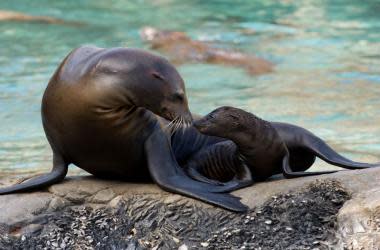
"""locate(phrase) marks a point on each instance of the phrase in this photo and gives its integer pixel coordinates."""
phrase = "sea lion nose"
(199, 123)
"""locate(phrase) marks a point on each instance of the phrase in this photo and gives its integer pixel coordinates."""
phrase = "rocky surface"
(359, 221)
(304, 213)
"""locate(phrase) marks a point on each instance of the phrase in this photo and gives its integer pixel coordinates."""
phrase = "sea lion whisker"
(183, 125)
(168, 126)
(179, 123)
(175, 126)
(182, 122)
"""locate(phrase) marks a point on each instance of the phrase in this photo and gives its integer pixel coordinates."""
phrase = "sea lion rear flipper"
(166, 172)
(302, 138)
(288, 173)
(57, 174)
(326, 153)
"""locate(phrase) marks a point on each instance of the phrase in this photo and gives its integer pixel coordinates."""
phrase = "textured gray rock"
(357, 224)
(15, 209)
(359, 221)
(355, 181)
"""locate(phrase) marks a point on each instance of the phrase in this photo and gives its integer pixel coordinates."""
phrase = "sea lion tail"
(56, 175)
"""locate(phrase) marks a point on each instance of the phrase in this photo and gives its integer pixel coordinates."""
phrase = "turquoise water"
(327, 57)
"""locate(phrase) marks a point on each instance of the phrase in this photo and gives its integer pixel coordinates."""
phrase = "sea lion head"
(142, 79)
(170, 100)
(224, 122)
(160, 88)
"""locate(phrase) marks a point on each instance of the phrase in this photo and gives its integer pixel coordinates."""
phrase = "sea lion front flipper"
(288, 173)
(218, 164)
(166, 172)
(57, 174)
(193, 173)
(231, 185)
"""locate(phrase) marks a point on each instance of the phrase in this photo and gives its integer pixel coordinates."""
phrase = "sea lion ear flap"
(157, 75)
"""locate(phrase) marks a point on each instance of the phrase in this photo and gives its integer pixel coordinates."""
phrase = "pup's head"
(224, 122)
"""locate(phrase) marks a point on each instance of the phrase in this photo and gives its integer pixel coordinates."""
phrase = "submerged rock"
(332, 211)
(6, 15)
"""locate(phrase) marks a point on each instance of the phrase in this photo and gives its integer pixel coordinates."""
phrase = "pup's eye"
(211, 116)
(157, 75)
(234, 117)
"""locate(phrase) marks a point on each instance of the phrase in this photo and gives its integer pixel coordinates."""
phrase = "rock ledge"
(339, 211)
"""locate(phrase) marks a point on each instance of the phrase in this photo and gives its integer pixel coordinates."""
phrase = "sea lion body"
(266, 148)
(100, 124)
(259, 146)
(112, 112)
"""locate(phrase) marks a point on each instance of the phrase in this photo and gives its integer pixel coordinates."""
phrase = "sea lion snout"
(185, 116)
(203, 125)
(188, 118)
(175, 106)
(199, 124)
(177, 110)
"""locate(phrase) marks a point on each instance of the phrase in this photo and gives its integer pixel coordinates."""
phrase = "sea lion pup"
(180, 48)
(258, 145)
(265, 147)
(112, 112)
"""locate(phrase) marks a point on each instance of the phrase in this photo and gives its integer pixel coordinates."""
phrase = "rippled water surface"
(326, 78)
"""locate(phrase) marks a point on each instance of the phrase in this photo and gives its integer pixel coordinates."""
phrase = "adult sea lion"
(108, 111)
(266, 148)
(181, 48)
